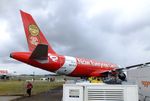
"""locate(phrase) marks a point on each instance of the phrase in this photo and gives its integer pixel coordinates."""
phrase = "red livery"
(41, 55)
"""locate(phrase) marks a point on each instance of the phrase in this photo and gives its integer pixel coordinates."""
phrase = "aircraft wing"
(99, 73)
(134, 66)
(40, 53)
(105, 72)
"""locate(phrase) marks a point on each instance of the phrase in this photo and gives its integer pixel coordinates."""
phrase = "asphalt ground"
(8, 98)
(51, 95)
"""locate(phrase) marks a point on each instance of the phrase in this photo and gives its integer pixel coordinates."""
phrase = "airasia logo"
(3, 72)
(53, 58)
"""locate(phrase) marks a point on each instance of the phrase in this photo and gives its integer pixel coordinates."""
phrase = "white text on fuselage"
(95, 63)
(53, 57)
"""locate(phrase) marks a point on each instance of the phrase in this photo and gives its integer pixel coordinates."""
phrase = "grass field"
(19, 87)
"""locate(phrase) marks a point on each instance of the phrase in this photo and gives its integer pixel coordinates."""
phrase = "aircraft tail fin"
(33, 33)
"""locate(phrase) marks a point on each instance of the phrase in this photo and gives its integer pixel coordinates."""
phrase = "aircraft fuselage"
(67, 65)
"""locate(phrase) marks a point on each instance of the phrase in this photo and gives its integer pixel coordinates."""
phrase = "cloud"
(115, 31)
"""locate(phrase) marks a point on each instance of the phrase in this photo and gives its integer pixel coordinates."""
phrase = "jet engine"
(122, 76)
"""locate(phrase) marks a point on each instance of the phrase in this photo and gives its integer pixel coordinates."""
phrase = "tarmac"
(8, 98)
(51, 95)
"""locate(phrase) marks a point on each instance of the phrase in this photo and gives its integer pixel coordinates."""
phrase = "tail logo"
(34, 40)
(34, 30)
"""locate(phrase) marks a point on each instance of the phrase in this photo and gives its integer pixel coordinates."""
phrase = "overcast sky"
(116, 31)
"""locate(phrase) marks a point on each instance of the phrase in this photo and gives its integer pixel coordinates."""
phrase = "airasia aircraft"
(41, 55)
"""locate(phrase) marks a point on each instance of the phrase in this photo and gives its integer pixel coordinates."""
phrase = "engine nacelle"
(122, 76)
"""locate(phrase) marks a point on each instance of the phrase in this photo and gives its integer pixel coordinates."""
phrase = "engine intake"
(122, 76)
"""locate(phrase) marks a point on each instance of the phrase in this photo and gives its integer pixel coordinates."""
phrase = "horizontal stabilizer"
(40, 53)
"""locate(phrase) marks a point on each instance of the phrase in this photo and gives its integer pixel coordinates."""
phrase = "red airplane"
(41, 55)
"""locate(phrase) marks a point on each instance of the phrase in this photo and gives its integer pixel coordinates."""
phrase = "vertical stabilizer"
(33, 33)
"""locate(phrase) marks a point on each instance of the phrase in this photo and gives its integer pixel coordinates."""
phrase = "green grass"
(19, 87)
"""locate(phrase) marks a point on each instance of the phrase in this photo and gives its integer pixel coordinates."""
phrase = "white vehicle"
(141, 77)
(99, 92)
